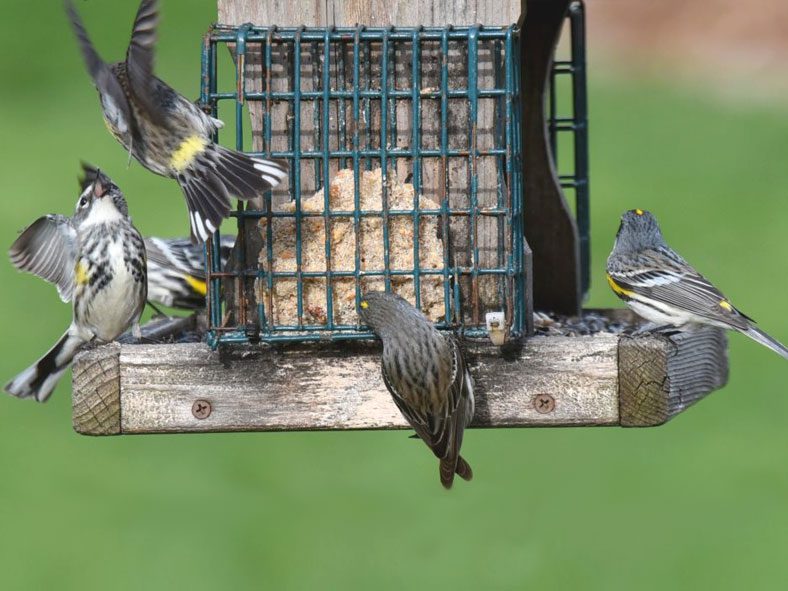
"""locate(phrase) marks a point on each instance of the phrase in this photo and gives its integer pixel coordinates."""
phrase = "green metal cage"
(349, 76)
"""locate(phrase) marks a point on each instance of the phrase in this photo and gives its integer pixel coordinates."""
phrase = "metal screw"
(201, 409)
(544, 403)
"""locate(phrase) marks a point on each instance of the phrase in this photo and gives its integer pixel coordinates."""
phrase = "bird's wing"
(48, 248)
(442, 432)
(112, 96)
(181, 254)
(140, 58)
(665, 277)
(448, 429)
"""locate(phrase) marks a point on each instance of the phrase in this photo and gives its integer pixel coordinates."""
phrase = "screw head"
(544, 403)
(201, 409)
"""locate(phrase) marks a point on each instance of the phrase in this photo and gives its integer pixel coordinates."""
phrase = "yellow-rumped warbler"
(176, 271)
(426, 374)
(664, 289)
(168, 134)
(176, 266)
(97, 260)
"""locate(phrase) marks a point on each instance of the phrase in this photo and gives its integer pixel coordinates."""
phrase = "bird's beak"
(99, 190)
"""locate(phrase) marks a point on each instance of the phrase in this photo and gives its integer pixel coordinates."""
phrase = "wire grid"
(354, 93)
(575, 126)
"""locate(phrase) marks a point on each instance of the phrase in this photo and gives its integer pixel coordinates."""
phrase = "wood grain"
(378, 13)
(96, 386)
(258, 388)
(661, 377)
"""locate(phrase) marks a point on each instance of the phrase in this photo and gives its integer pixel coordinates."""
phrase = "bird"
(425, 373)
(176, 271)
(659, 285)
(167, 133)
(96, 258)
(175, 266)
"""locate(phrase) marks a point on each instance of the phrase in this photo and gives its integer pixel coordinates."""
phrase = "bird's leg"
(654, 328)
(158, 310)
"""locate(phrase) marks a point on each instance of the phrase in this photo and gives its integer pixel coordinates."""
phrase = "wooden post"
(599, 380)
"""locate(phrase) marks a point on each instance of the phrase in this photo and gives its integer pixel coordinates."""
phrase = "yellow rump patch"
(618, 289)
(639, 211)
(197, 285)
(81, 273)
(365, 304)
(725, 304)
(191, 147)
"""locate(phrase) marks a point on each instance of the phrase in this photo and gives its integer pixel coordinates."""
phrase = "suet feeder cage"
(405, 151)
(430, 159)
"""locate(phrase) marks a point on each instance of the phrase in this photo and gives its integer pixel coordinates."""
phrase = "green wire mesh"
(333, 99)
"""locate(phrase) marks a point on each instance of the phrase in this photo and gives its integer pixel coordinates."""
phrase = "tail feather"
(463, 469)
(447, 468)
(215, 175)
(39, 380)
(761, 337)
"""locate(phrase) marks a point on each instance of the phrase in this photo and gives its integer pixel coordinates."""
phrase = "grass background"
(700, 502)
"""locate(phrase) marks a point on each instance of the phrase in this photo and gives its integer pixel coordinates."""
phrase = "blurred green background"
(699, 503)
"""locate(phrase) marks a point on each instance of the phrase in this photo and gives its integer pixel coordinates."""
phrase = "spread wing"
(140, 57)
(663, 277)
(48, 248)
(116, 107)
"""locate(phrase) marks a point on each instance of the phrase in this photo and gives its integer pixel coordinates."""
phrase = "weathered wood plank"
(661, 377)
(95, 404)
(254, 388)
(378, 13)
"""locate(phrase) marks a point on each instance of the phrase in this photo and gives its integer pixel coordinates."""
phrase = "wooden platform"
(600, 380)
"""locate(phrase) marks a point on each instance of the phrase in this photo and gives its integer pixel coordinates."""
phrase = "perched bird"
(176, 267)
(664, 289)
(425, 372)
(97, 260)
(176, 271)
(167, 133)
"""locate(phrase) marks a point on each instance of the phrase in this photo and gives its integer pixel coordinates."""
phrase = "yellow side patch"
(197, 285)
(618, 289)
(365, 304)
(81, 273)
(639, 211)
(725, 304)
(191, 147)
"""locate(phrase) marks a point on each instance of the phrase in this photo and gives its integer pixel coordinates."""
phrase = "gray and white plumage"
(658, 284)
(168, 134)
(425, 373)
(176, 271)
(97, 260)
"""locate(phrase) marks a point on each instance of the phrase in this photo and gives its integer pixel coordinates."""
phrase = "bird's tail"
(217, 173)
(451, 466)
(39, 380)
(758, 335)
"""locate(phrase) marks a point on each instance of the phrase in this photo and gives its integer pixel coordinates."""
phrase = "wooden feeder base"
(599, 380)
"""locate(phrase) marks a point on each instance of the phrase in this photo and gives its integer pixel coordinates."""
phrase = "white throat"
(102, 211)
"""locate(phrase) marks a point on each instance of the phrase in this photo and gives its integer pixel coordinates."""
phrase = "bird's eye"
(83, 201)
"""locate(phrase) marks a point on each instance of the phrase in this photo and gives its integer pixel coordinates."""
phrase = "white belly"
(115, 307)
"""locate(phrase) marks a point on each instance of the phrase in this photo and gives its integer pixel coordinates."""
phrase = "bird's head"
(100, 199)
(388, 314)
(638, 230)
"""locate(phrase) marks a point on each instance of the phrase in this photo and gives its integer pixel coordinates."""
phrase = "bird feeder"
(430, 156)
